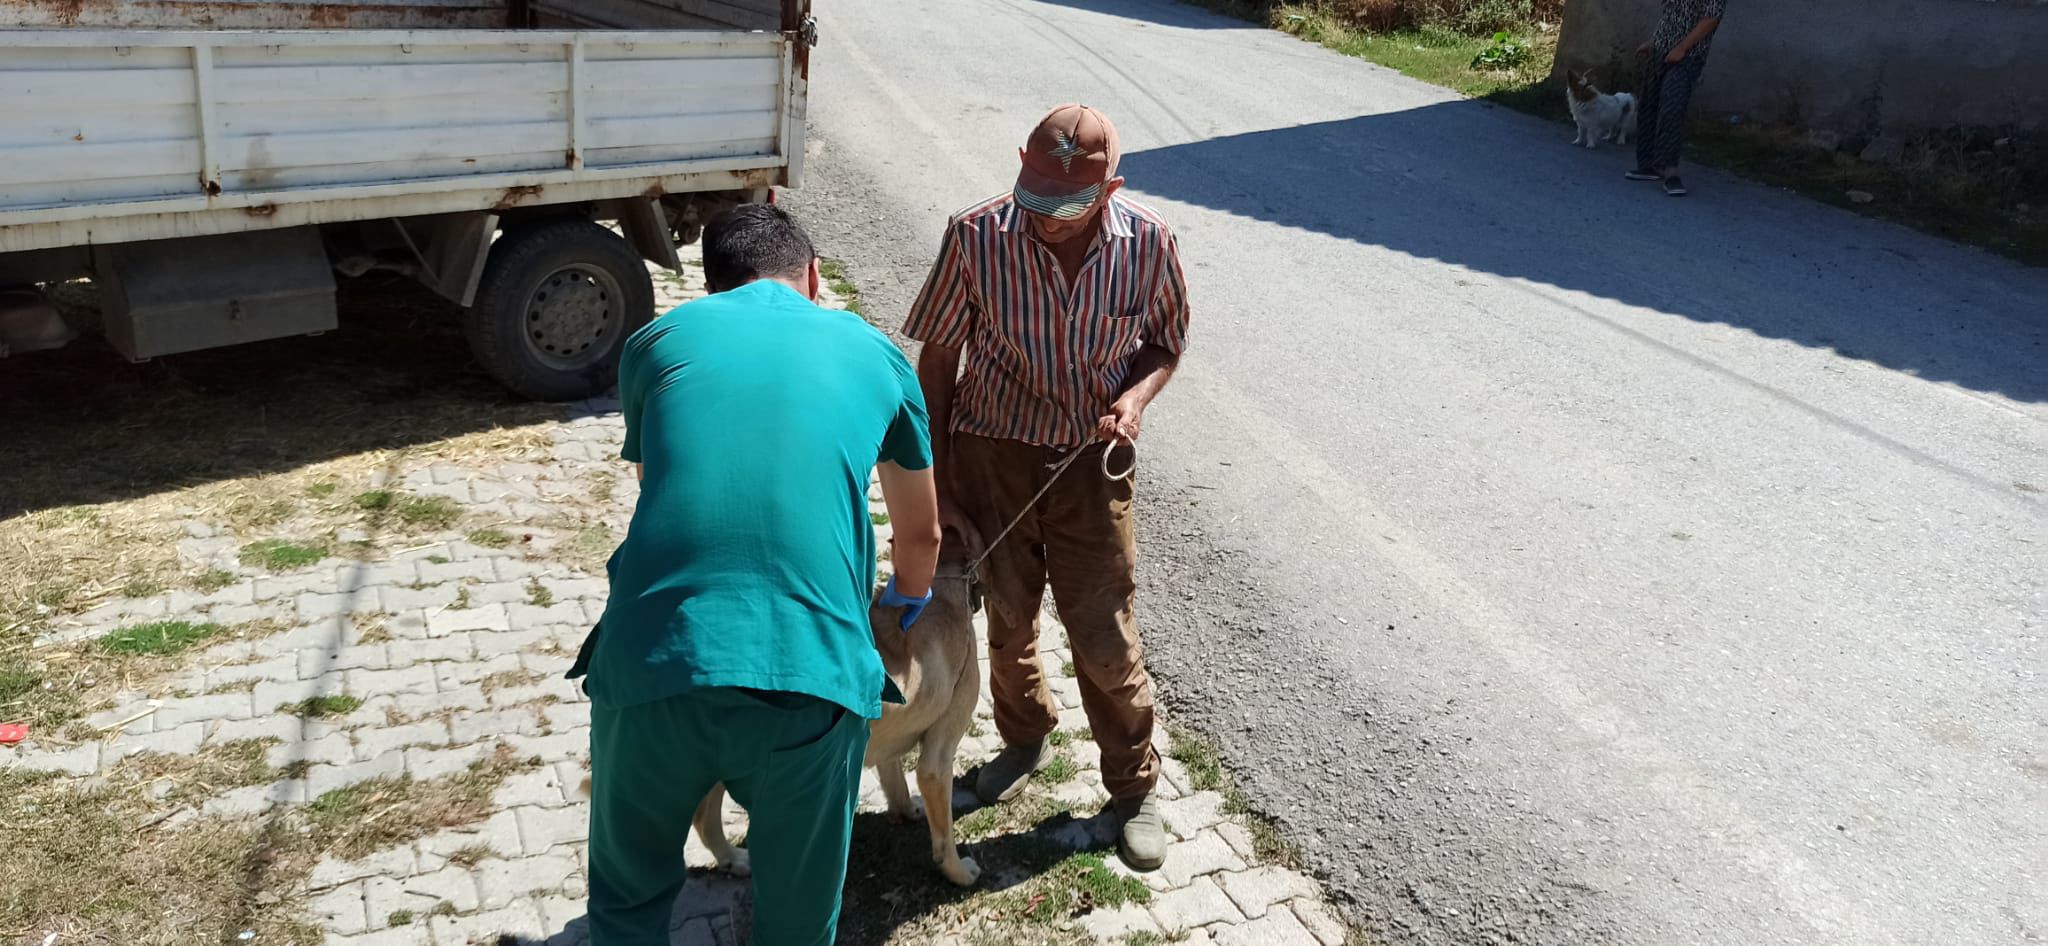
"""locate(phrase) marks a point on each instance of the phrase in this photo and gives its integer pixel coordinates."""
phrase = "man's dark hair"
(754, 241)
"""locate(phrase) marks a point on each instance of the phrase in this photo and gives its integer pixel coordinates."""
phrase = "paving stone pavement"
(452, 651)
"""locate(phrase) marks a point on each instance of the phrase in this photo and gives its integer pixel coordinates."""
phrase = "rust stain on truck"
(514, 196)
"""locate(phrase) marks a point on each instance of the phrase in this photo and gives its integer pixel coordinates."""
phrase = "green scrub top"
(751, 557)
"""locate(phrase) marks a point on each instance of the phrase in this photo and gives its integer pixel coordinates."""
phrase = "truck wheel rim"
(572, 316)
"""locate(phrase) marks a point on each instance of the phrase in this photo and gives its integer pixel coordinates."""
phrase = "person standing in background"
(1685, 31)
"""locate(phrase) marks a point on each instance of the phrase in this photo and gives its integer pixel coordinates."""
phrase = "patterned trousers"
(1660, 119)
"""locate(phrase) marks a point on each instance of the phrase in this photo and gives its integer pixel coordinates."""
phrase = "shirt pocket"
(1114, 334)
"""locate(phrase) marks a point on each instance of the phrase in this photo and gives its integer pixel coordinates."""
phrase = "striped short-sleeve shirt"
(1042, 362)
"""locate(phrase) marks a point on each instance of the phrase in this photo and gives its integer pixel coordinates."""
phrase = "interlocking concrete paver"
(341, 910)
(407, 597)
(314, 661)
(452, 675)
(1194, 814)
(373, 741)
(541, 788)
(1278, 928)
(321, 779)
(1240, 840)
(1115, 924)
(489, 644)
(1200, 903)
(1317, 917)
(184, 740)
(418, 894)
(1262, 888)
(456, 647)
(499, 882)
(283, 728)
(391, 862)
(423, 764)
(1205, 853)
(517, 923)
(541, 829)
(498, 834)
(280, 669)
(471, 727)
(331, 749)
(417, 680)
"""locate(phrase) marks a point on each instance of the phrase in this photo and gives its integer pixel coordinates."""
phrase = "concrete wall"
(1852, 66)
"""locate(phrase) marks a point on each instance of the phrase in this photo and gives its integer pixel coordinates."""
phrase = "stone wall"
(1854, 67)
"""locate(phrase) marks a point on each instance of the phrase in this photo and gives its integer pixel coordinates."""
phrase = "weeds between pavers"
(490, 538)
(97, 861)
(1203, 762)
(323, 707)
(51, 688)
(281, 555)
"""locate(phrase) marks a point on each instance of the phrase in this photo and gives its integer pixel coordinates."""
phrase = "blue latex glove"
(913, 608)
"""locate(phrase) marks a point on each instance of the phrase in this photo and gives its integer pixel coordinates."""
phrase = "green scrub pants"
(793, 761)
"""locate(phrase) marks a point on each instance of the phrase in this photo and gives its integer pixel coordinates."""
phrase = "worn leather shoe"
(1141, 842)
(1007, 774)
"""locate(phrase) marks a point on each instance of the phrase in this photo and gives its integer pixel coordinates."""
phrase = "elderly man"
(1066, 305)
(736, 647)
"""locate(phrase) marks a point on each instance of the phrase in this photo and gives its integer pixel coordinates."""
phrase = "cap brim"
(1055, 198)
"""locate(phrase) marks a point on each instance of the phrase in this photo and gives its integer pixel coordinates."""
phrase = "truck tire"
(554, 307)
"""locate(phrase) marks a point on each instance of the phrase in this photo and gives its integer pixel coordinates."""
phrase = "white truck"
(213, 165)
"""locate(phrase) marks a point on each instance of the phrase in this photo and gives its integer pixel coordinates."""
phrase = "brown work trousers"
(1078, 539)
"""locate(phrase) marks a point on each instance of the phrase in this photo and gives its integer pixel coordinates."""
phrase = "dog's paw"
(911, 814)
(739, 865)
(962, 873)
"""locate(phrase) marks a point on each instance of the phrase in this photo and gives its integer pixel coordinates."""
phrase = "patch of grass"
(255, 512)
(378, 631)
(358, 820)
(1445, 57)
(472, 854)
(1078, 884)
(1019, 814)
(490, 538)
(238, 686)
(604, 485)
(590, 547)
(1199, 756)
(429, 512)
(141, 587)
(280, 555)
(443, 908)
(834, 274)
(322, 490)
(461, 602)
(398, 918)
(507, 679)
(1060, 770)
(78, 857)
(212, 580)
(376, 500)
(158, 638)
(1067, 668)
(538, 594)
(216, 769)
(321, 707)
(879, 518)
(438, 559)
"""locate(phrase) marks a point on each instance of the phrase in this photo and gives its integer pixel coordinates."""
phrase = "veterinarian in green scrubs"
(736, 646)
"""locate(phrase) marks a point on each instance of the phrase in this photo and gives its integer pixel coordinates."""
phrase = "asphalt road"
(1556, 561)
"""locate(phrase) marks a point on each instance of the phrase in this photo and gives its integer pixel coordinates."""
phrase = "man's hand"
(1646, 49)
(1125, 419)
(1675, 56)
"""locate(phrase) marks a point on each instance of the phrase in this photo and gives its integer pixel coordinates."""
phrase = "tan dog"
(937, 666)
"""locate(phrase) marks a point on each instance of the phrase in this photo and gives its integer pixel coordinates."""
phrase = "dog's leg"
(896, 790)
(935, 783)
(710, 821)
(1581, 136)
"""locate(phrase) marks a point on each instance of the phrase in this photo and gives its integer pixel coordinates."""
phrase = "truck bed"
(133, 133)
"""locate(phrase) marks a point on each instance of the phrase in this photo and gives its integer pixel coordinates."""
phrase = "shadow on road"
(1471, 185)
